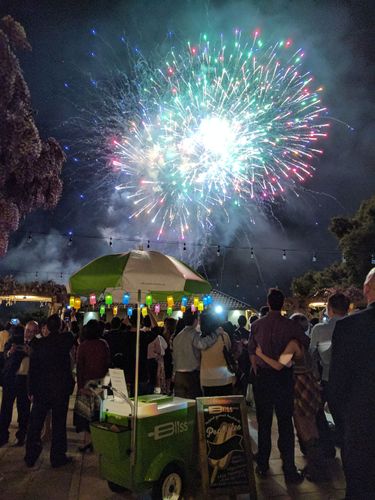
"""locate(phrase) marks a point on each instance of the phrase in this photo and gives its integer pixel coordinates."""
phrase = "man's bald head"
(31, 330)
(369, 286)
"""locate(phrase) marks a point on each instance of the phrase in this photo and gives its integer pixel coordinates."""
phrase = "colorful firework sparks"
(218, 125)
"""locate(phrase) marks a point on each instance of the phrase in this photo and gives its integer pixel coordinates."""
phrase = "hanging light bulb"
(71, 301)
(77, 303)
(284, 254)
(169, 311)
(92, 299)
(129, 312)
(115, 310)
(102, 310)
(170, 301)
(184, 301)
(144, 311)
(126, 298)
(157, 308)
(108, 299)
(148, 300)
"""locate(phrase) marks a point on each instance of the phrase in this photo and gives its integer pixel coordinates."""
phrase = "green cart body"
(165, 440)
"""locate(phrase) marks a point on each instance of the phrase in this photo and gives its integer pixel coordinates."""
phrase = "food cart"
(145, 442)
(166, 436)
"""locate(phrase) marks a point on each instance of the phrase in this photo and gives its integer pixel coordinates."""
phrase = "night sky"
(338, 39)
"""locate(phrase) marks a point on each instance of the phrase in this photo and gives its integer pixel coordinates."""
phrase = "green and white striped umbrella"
(148, 271)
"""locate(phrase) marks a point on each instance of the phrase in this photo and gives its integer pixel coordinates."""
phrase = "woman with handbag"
(215, 376)
(93, 361)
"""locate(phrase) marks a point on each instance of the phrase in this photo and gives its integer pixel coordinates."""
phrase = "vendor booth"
(146, 441)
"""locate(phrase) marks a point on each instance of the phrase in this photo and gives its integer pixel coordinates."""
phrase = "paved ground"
(81, 480)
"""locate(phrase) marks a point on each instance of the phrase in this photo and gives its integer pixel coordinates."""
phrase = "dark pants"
(273, 390)
(358, 459)
(219, 390)
(11, 392)
(326, 436)
(59, 407)
(187, 385)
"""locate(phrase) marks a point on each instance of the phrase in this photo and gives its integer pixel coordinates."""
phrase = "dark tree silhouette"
(356, 237)
(29, 167)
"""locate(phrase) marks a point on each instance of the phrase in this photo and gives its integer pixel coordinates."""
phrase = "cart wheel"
(116, 488)
(170, 484)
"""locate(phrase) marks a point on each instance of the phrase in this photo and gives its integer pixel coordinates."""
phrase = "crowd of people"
(295, 367)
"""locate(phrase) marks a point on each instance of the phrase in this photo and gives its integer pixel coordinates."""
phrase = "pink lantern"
(157, 308)
(92, 299)
(193, 308)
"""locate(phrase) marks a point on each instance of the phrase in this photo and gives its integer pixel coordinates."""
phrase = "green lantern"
(169, 311)
(102, 310)
(148, 300)
(108, 299)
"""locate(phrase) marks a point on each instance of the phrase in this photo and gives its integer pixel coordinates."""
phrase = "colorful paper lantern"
(148, 300)
(71, 300)
(144, 311)
(77, 303)
(169, 311)
(126, 299)
(209, 299)
(108, 299)
(193, 308)
(115, 310)
(205, 301)
(92, 299)
(196, 302)
(184, 301)
(183, 309)
(129, 311)
(170, 301)
(157, 308)
(200, 306)
(102, 310)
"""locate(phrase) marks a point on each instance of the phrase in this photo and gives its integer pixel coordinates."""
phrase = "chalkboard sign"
(225, 449)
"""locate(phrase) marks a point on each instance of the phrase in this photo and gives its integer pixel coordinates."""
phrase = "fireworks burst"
(217, 125)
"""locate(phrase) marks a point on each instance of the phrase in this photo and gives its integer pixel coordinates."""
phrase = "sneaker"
(295, 477)
(64, 461)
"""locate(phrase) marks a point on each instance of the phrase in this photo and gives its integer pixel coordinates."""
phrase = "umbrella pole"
(136, 383)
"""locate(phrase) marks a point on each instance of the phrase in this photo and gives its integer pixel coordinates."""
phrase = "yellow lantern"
(71, 300)
(144, 311)
(200, 306)
(183, 309)
(196, 302)
(115, 309)
(170, 301)
(77, 303)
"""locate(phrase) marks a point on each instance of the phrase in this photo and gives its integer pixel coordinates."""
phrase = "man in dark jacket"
(351, 394)
(50, 384)
(274, 390)
(14, 387)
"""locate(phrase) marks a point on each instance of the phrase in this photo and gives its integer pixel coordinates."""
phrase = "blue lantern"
(130, 312)
(126, 298)
(205, 301)
(184, 301)
(209, 299)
